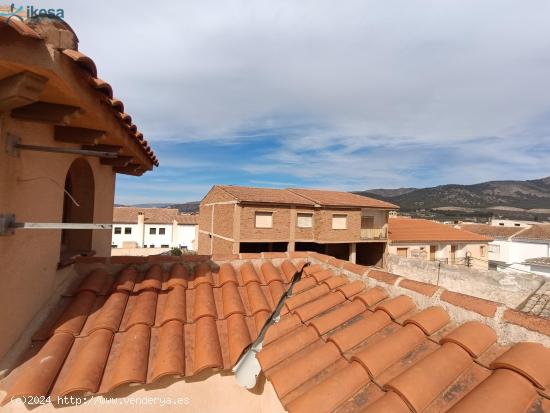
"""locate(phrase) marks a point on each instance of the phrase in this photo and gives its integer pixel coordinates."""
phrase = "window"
(482, 250)
(494, 249)
(402, 252)
(264, 219)
(152, 231)
(114, 246)
(162, 231)
(304, 220)
(152, 246)
(339, 221)
(501, 224)
(164, 246)
(516, 225)
(118, 230)
(128, 230)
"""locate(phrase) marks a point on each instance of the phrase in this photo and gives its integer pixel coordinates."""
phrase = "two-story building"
(237, 219)
(151, 229)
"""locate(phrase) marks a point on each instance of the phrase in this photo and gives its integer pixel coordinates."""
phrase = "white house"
(153, 228)
(518, 248)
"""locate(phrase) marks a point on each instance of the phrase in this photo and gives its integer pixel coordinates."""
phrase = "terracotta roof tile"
(332, 350)
(140, 325)
(472, 336)
(309, 197)
(416, 230)
(534, 232)
(336, 198)
(129, 215)
(421, 362)
(492, 231)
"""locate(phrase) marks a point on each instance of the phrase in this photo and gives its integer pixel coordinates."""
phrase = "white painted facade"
(511, 254)
(151, 235)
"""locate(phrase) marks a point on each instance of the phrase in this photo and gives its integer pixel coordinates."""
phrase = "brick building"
(237, 219)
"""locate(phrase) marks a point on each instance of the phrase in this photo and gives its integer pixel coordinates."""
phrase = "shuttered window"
(264, 219)
(339, 221)
(304, 220)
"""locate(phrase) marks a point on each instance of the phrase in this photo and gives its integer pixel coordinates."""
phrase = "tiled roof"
(129, 215)
(189, 219)
(418, 230)
(103, 88)
(492, 231)
(336, 198)
(304, 197)
(348, 348)
(534, 232)
(539, 260)
(139, 326)
(350, 338)
(265, 195)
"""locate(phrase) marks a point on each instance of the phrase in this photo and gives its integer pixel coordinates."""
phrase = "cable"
(55, 182)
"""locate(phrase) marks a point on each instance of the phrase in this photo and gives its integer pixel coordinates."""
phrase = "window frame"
(153, 231)
(345, 216)
(127, 230)
(265, 213)
(119, 229)
(309, 214)
(162, 231)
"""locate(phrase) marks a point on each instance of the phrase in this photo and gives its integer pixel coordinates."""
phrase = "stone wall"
(512, 289)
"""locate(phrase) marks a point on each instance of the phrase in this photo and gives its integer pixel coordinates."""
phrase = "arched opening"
(78, 206)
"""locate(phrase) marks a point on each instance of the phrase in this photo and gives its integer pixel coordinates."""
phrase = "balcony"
(374, 233)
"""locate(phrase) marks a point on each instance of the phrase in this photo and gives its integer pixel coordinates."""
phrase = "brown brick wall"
(205, 215)
(221, 246)
(204, 244)
(223, 219)
(216, 195)
(281, 224)
(323, 226)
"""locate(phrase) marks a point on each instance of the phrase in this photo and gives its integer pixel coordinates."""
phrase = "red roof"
(345, 345)
(422, 230)
(310, 197)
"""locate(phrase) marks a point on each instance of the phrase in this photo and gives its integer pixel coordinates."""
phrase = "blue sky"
(322, 93)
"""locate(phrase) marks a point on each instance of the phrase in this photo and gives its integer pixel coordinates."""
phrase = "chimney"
(140, 229)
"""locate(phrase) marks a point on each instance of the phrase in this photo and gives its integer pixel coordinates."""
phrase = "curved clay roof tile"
(84, 61)
(20, 27)
(103, 86)
(117, 104)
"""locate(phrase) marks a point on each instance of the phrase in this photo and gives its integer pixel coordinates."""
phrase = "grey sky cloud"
(372, 76)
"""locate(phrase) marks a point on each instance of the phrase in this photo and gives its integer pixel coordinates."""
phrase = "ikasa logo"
(28, 12)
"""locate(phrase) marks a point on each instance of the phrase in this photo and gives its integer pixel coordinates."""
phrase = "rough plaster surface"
(510, 289)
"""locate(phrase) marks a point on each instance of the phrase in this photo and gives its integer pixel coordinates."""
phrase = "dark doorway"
(78, 206)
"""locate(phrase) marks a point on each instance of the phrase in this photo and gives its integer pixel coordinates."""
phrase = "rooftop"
(129, 215)
(310, 197)
(530, 232)
(37, 32)
(420, 230)
(349, 338)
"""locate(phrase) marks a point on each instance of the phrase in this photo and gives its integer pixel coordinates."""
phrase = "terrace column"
(352, 252)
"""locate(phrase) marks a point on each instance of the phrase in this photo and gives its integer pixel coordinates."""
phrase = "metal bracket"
(8, 225)
(14, 147)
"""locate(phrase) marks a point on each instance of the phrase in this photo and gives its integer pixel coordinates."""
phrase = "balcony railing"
(374, 233)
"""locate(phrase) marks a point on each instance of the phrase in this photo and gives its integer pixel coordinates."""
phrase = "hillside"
(498, 195)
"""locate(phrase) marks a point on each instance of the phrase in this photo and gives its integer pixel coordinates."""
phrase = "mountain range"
(516, 198)
(505, 195)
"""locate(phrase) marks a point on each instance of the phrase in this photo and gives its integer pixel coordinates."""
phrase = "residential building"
(237, 219)
(433, 241)
(151, 229)
(497, 222)
(516, 248)
(63, 139)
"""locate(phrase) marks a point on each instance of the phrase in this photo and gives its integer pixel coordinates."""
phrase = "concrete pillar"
(352, 252)
(140, 229)
(174, 239)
